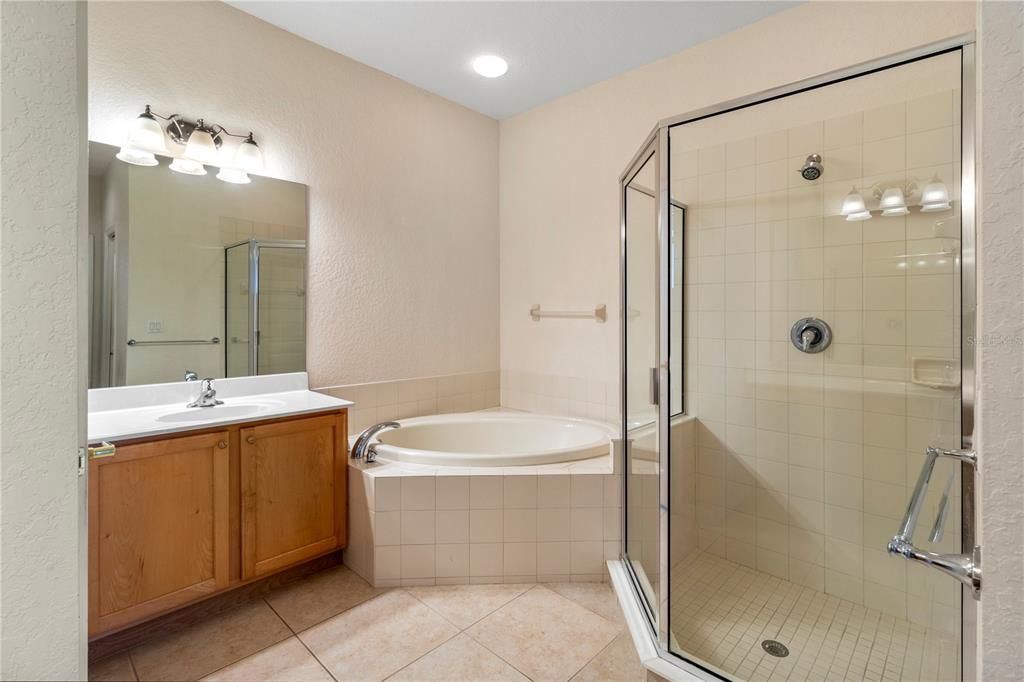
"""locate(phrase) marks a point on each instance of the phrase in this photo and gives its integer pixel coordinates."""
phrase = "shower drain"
(777, 649)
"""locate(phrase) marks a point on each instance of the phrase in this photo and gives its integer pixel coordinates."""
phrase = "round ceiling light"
(490, 66)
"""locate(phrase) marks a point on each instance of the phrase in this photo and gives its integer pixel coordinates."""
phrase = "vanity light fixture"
(201, 141)
(854, 208)
(893, 203)
(935, 197)
(145, 139)
(490, 66)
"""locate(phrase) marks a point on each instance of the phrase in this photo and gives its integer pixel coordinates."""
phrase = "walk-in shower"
(787, 361)
(264, 307)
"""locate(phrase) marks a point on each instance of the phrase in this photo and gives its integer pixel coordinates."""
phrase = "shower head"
(812, 168)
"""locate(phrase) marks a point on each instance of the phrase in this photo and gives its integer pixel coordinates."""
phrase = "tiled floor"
(722, 611)
(334, 626)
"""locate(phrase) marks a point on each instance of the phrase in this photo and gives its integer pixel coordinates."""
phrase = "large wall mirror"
(189, 273)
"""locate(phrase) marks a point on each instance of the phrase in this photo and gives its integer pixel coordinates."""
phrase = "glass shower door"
(640, 362)
(281, 334)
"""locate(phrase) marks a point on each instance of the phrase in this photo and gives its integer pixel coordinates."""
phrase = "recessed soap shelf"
(935, 372)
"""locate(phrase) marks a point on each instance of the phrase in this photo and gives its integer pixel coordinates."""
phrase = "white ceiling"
(553, 48)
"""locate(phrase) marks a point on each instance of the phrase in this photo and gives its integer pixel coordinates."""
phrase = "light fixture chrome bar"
(176, 342)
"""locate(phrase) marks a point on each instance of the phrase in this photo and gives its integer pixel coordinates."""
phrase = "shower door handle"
(654, 386)
(964, 567)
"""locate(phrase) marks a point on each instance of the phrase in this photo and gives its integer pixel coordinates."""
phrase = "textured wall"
(560, 162)
(1001, 339)
(403, 260)
(43, 360)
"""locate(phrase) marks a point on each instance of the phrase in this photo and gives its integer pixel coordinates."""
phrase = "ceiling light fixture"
(490, 66)
(201, 144)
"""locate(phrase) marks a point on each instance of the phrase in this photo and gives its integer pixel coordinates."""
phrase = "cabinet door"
(158, 527)
(293, 492)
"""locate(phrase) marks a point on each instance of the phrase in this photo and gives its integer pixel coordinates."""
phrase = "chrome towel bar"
(964, 567)
(599, 313)
(179, 342)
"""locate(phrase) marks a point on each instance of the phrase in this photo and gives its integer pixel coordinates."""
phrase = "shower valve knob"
(811, 335)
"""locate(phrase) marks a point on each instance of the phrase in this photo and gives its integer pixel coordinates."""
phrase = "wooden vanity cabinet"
(291, 473)
(174, 519)
(158, 527)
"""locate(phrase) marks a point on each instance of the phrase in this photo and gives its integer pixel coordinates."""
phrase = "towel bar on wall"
(179, 342)
(599, 313)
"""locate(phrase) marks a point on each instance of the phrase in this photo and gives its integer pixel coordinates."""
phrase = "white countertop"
(123, 413)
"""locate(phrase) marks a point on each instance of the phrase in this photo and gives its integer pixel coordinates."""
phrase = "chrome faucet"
(207, 395)
(362, 449)
(191, 376)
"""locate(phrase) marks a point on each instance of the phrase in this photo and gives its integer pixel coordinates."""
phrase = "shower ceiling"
(552, 48)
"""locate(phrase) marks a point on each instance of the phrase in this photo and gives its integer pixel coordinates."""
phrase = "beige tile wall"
(805, 462)
(560, 395)
(385, 400)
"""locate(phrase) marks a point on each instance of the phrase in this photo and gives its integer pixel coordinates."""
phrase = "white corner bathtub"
(499, 439)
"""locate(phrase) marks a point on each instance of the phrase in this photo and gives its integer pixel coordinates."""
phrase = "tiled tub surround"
(420, 525)
(805, 462)
(387, 400)
(590, 398)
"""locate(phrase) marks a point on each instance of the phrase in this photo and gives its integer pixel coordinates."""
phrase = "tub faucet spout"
(362, 449)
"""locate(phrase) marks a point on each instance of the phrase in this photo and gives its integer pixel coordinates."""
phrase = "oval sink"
(200, 414)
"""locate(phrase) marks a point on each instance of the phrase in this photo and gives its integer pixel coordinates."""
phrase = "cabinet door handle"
(222, 445)
(251, 440)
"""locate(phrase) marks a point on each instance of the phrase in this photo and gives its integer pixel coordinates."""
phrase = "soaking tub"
(484, 439)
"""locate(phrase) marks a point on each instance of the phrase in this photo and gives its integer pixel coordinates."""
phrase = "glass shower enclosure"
(797, 290)
(265, 312)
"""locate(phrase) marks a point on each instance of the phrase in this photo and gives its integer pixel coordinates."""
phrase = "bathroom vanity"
(189, 502)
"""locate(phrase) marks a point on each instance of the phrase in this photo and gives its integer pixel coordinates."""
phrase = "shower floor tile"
(722, 611)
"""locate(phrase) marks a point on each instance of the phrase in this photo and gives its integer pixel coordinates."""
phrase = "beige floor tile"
(617, 661)
(210, 645)
(597, 597)
(320, 596)
(460, 658)
(464, 605)
(544, 635)
(287, 660)
(378, 637)
(114, 669)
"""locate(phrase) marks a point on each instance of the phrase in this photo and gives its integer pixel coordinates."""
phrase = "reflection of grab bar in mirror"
(599, 313)
(178, 342)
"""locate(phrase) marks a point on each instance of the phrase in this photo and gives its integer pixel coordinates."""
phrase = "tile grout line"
(131, 664)
(495, 653)
(299, 639)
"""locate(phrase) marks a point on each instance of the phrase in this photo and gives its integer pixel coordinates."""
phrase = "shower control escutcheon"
(811, 335)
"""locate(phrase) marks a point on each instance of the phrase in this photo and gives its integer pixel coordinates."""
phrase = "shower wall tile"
(804, 463)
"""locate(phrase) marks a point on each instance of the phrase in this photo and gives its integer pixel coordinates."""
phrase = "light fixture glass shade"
(136, 157)
(234, 176)
(935, 197)
(248, 156)
(893, 203)
(859, 216)
(187, 166)
(147, 134)
(853, 203)
(201, 147)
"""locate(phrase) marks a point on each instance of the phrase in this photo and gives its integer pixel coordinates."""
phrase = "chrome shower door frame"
(657, 142)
